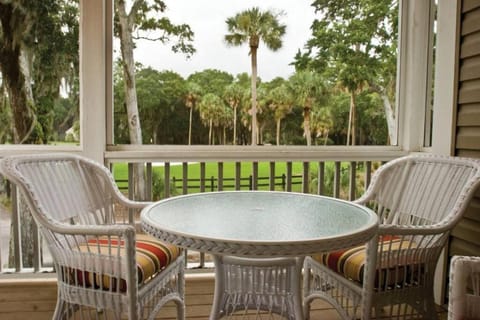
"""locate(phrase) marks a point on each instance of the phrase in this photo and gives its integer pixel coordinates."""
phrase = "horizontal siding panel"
(467, 230)
(470, 45)
(473, 211)
(469, 5)
(469, 91)
(465, 239)
(23, 315)
(469, 115)
(468, 153)
(468, 138)
(470, 22)
(470, 68)
(463, 248)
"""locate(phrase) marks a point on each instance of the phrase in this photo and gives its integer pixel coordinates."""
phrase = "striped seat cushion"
(351, 262)
(152, 256)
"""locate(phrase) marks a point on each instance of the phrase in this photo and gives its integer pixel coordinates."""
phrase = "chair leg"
(306, 309)
(180, 310)
(58, 314)
(431, 312)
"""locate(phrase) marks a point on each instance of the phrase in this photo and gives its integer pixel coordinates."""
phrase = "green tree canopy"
(212, 111)
(233, 95)
(354, 44)
(211, 81)
(281, 102)
(307, 88)
(38, 50)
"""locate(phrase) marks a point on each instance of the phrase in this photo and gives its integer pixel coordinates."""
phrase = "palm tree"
(281, 102)
(252, 26)
(322, 123)
(194, 92)
(233, 95)
(306, 86)
(211, 109)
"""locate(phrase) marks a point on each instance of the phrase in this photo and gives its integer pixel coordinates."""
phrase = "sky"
(207, 20)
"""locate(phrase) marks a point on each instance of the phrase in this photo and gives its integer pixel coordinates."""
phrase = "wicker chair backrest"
(422, 190)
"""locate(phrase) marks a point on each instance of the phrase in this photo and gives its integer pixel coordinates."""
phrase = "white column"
(92, 79)
(444, 106)
(413, 72)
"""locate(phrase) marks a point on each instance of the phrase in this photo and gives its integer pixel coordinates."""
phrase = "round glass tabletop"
(256, 218)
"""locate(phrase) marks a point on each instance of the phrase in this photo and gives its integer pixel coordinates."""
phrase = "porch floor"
(35, 299)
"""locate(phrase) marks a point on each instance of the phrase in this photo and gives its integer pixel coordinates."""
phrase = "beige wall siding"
(465, 238)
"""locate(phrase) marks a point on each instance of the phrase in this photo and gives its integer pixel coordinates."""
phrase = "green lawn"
(211, 170)
(211, 174)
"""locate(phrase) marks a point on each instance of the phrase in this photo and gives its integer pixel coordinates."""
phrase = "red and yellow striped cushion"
(152, 256)
(351, 262)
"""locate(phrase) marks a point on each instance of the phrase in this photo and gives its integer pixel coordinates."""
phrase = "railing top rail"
(148, 153)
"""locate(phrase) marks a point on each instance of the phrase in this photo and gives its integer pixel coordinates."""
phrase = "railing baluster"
(131, 190)
(37, 250)
(352, 180)
(184, 177)
(166, 173)
(130, 181)
(306, 177)
(220, 177)
(238, 175)
(272, 176)
(289, 176)
(17, 244)
(336, 179)
(202, 176)
(321, 178)
(254, 175)
(148, 187)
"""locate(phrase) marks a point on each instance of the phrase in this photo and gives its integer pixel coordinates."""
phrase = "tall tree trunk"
(389, 113)
(190, 127)
(210, 133)
(10, 66)
(135, 130)
(390, 117)
(235, 124)
(354, 117)
(260, 134)
(253, 52)
(278, 131)
(306, 121)
(351, 120)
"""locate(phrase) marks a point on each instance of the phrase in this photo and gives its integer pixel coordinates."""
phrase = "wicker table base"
(269, 285)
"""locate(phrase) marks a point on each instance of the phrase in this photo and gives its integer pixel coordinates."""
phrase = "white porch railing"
(334, 171)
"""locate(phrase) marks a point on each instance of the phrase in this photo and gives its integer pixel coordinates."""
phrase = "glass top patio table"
(263, 234)
(259, 223)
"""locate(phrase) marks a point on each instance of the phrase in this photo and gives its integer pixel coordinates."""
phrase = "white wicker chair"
(418, 199)
(464, 293)
(104, 267)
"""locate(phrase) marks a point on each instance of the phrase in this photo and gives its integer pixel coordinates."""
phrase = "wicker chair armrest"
(132, 204)
(385, 229)
(94, 230)
(364, 199)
